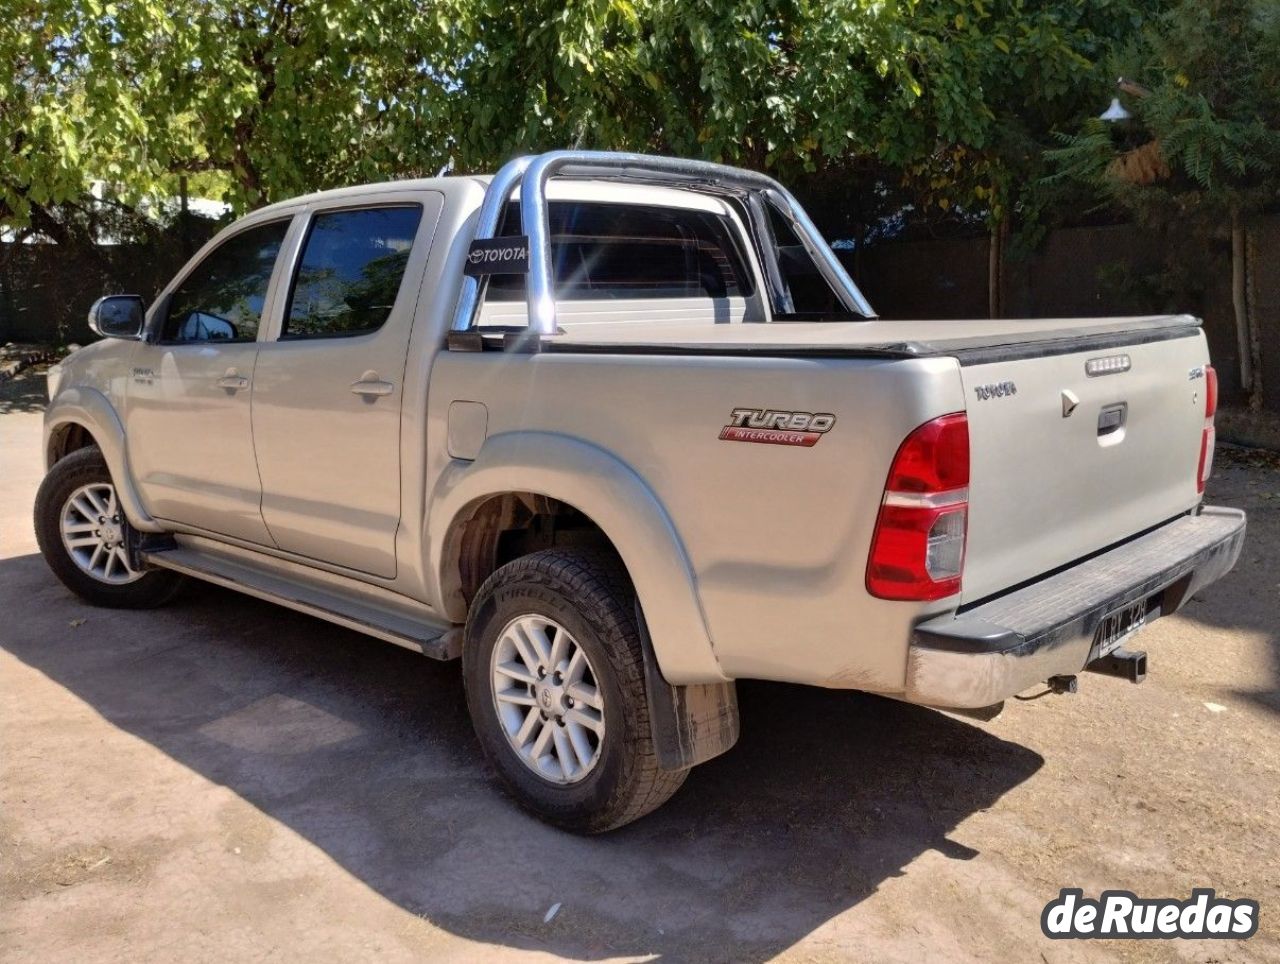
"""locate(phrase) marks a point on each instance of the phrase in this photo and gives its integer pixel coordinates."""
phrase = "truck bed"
(1047, 488)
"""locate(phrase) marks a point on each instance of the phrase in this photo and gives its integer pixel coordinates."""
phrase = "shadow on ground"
(1246, 600)
(366, 751)
(25, 392)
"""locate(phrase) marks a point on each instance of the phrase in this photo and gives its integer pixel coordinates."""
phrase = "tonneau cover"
(976, 340)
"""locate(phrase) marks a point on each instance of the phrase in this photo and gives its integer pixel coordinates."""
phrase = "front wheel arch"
(81, 411)
(67, 438)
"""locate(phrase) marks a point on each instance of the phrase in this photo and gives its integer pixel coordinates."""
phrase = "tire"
(117, 585)
(612, 775)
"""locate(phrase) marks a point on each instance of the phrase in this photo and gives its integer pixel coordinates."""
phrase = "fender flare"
(90, 409)
(607, 490)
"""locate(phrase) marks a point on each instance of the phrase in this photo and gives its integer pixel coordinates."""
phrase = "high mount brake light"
(917, 550)
(1208, 435)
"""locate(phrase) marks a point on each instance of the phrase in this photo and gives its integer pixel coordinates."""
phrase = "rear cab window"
(619, 261)
(350, 271)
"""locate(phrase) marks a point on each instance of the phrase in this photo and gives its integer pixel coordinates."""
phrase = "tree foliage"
(252, 101)
(1205, 138)
(952, 99)
(945, 105)
(1200, 155)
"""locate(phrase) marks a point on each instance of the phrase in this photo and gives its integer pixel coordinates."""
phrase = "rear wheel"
(554, 674)
(85, 538)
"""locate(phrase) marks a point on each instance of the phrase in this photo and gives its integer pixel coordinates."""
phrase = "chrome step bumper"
(988, 652)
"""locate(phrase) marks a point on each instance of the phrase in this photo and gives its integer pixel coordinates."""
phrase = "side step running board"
(423, 632)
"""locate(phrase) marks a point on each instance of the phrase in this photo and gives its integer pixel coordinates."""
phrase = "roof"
(565, 188)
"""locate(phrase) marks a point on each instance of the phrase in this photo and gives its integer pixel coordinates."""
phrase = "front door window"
(222, 299)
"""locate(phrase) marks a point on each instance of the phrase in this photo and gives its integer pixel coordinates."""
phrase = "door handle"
(370, 385)
(233, 381)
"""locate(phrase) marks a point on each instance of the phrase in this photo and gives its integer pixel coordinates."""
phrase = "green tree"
(1205, 138)
(874, 112)
(1200, 157)
(257, 101)
(291, 97)
(946, 104)
(956, 97)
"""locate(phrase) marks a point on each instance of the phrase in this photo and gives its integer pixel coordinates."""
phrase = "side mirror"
(118, 316)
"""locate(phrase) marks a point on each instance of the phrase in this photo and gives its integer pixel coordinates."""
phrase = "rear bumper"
(996, 649)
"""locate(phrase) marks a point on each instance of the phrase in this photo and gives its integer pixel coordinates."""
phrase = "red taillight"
(1208, 436)
(934, 458)
(917, 550)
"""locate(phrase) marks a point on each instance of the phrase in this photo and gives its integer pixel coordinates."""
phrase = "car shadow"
(366, 751)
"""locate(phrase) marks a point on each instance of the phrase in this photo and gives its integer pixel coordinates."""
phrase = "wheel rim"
(94, 532)
(548, 699)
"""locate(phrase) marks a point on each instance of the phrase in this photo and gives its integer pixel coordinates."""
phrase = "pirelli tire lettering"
(774, 427)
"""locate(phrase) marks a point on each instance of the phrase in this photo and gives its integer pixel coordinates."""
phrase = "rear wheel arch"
(499, 527)
(502, 527)
(555, 676)
(598, 486)
(687, 723)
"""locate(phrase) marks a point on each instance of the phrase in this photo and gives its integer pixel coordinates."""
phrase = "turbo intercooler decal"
(772, 427)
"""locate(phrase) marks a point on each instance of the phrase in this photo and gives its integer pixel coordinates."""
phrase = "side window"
(350, 272)
(612, 251)
(222, 299)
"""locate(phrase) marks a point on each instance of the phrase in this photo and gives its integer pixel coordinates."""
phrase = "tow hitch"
(1126, 664)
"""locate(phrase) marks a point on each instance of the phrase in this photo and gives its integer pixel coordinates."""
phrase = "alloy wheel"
(95, 533)
(548, 699)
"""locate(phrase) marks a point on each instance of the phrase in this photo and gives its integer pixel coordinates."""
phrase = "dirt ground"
(227, 780)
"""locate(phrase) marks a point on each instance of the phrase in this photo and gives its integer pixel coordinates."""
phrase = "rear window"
(613, 251)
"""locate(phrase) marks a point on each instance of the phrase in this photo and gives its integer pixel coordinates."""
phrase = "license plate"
(1118, 626)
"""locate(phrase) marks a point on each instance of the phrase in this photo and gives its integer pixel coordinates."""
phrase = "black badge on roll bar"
(508, 255)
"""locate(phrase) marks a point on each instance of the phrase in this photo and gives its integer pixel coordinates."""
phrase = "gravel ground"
(225, 780)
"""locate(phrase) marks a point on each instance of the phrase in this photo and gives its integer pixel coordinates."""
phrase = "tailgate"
(1064, 463)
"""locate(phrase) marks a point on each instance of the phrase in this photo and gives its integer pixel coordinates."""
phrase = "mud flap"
(138, 544)
(690, 724)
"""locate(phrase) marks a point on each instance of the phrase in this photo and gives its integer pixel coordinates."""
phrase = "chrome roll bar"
(495, 200)
(533, 173)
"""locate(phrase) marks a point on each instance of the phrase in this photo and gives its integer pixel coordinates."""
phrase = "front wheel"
(554, 674)
(84, 537)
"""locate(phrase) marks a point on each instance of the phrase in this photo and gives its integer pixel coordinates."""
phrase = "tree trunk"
(1246, 343)
(995, 270)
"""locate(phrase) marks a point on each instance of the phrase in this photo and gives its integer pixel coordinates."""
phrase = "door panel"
(189, 432)
(327, 391)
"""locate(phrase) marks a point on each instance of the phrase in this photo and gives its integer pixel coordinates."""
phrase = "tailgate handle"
(1111, 418)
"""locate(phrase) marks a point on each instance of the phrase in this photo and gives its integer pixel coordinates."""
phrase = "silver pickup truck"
(620, 430)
